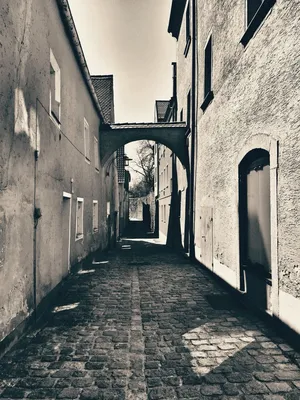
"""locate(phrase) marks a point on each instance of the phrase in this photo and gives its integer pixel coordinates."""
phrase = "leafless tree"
(144, 166)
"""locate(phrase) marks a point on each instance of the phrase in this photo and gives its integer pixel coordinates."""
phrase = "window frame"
(96, 154)
(95, 216)
(208, 73)
(79, 235)
(188, 37)
(87, 146)
(57, 89)
(251, 27)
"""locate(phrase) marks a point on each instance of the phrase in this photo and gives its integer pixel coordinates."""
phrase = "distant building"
(104, 88)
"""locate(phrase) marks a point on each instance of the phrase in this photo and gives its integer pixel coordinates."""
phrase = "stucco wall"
(256, 103)
(31, 29)
(256, 94)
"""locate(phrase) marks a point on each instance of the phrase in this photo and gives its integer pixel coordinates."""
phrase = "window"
(207, 67)
(96, 154)
(187, 29)
(95, 216)
(54, 103)
(165, 213)
(86, 140)
(208, 94)
(256, 11)
(252, 7)
(79, 218)
(161, 214)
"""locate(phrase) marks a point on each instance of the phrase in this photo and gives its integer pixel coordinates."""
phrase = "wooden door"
(255, 228)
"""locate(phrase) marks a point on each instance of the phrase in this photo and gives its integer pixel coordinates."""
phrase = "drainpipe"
(194, 130)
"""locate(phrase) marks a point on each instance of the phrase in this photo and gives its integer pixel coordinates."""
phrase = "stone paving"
(143, 326)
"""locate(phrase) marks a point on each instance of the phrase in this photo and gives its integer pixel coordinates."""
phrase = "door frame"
(271, 145)
(68, 196)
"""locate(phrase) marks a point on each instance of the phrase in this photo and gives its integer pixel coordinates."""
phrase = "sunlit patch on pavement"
(65, 308)
(99, 262)
(209, 347)
(86, 271)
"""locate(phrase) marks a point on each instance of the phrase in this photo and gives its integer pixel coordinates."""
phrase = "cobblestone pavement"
(144, 326)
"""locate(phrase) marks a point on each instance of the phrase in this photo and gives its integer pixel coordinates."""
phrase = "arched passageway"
(172, 135)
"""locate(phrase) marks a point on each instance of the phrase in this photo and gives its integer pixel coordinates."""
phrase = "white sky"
(129, 39)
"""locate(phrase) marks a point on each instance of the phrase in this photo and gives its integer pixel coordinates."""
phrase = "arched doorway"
(255, 227)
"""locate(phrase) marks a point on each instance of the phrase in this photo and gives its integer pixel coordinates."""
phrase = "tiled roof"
(146, 125)
(104, 88)
(161, 107)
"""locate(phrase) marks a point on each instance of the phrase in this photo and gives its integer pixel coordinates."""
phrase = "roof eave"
(72, 34)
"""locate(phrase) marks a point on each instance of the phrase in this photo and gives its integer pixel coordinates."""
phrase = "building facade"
(237, 90)
(57, 201)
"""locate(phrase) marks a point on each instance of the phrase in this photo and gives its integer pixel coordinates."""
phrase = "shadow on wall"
(174, 238)
(255, 277)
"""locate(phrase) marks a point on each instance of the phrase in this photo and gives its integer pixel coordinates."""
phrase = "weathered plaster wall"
(256, 94)
(165, 188)
(17, 142)
(31, 28)
(184, 84)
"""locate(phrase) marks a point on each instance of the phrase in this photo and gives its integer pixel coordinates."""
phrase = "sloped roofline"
(71, 31)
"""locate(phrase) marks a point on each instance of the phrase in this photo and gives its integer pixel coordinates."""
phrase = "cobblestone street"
(144, 323)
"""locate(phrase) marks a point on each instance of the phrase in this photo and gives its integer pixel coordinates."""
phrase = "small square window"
(256, 12)
(96, 154)
(55, 88)
(95, 216)
(208, 93)
(207, 67)
(79, 218)
(86, 140)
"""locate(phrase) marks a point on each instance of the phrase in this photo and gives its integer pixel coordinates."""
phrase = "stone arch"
(171, 135)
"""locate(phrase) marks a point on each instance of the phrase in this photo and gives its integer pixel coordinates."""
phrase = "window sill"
(257, 20)
(97, 170)
(187, 46)
(79, 237)
(87, 161)
(208, 99)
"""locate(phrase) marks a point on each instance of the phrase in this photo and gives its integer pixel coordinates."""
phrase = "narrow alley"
(145, 323)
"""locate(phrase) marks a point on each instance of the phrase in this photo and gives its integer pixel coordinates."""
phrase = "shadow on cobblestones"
(142, 328)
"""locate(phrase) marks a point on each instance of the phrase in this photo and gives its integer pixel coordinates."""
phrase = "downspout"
(194, 131)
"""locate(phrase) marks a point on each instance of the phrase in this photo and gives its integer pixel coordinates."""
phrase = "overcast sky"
(129, 39)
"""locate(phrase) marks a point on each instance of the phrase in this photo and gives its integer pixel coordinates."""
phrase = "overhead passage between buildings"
(172, 135)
